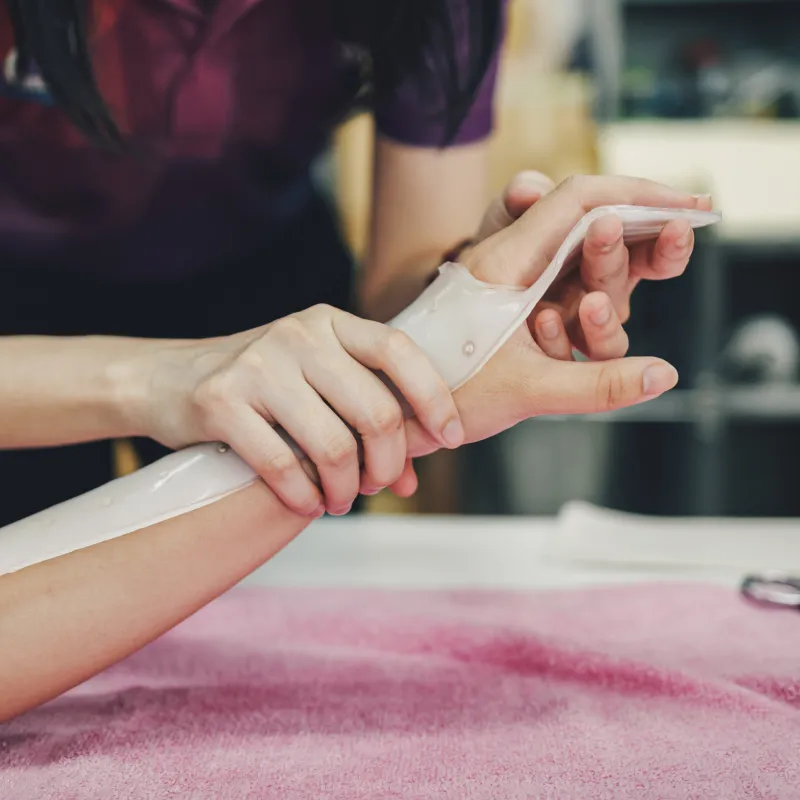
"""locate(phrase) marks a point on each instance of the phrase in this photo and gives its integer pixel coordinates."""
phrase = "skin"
(312, 372)
(67, 619)
(426, 200)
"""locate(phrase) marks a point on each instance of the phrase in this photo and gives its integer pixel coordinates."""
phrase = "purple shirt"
(231, 109)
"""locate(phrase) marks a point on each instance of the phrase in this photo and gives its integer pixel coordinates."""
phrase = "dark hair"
(55, 35)
(455, 39)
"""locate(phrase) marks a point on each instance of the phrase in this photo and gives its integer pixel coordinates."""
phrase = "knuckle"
(434, 403)
(278, 468)
(251, 360)
(320, 314)
(291, 330)
(383, 418)
(612, 389)
(613, 273)
(614, 346)
(434, 400)
(214, 394)
(610, 269)
(339, 452)
(397, 346)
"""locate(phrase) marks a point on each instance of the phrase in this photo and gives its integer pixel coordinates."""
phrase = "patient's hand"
(606, 273)
(525, 378)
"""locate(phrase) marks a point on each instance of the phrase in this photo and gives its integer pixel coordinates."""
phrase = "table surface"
(418, 552)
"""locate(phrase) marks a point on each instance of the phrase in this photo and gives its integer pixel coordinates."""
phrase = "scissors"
(772, 589)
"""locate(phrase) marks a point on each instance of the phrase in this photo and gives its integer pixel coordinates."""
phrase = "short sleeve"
(412, 115)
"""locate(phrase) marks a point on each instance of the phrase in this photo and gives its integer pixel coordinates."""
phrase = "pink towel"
(642, 692)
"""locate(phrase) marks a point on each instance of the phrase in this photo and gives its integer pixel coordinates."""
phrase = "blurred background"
(700, 94)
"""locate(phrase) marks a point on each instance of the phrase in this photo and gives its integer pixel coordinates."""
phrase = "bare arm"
(311, 373)
(426, 201)
(56, 390)
(64, 620)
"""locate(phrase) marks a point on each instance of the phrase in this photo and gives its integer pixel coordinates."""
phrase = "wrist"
(455, 255)
(459, 252)
(135, 379)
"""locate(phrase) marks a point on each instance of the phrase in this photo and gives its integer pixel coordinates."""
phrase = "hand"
(309, 373)
(574, 313)
(522, 380)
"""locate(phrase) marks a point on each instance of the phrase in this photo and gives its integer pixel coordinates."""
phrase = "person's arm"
(67, 619)
(64, 620)
(312, 373)
(430, 182)
(426, 201)
(66, 390)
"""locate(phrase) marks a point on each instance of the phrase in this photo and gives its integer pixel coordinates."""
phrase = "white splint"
(458, 321)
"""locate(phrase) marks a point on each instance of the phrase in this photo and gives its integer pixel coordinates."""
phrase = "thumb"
(491, 403)
(584, 387)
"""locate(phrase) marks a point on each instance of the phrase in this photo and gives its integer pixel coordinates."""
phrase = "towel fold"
(663, 692)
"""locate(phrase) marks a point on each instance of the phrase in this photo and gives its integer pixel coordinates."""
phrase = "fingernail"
(550, 329)
(658, 379)
(370, 491)
(320, 512)
(702, 197)
(340, 512)
(453, 433)
(601, 315)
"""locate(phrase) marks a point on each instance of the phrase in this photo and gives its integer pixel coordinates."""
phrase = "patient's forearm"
(64, 620)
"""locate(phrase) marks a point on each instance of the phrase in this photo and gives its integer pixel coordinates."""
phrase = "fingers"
(598, 331)
(406, 365)
(361, 399)
(339, 373)
(408, 483)
(610, 266)
(520, 194)
(551, 335)
(268, 454)
(324, 438)
(605, 261)
(665, 257)
(520, 253)
(603, 336)
(321, 389)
